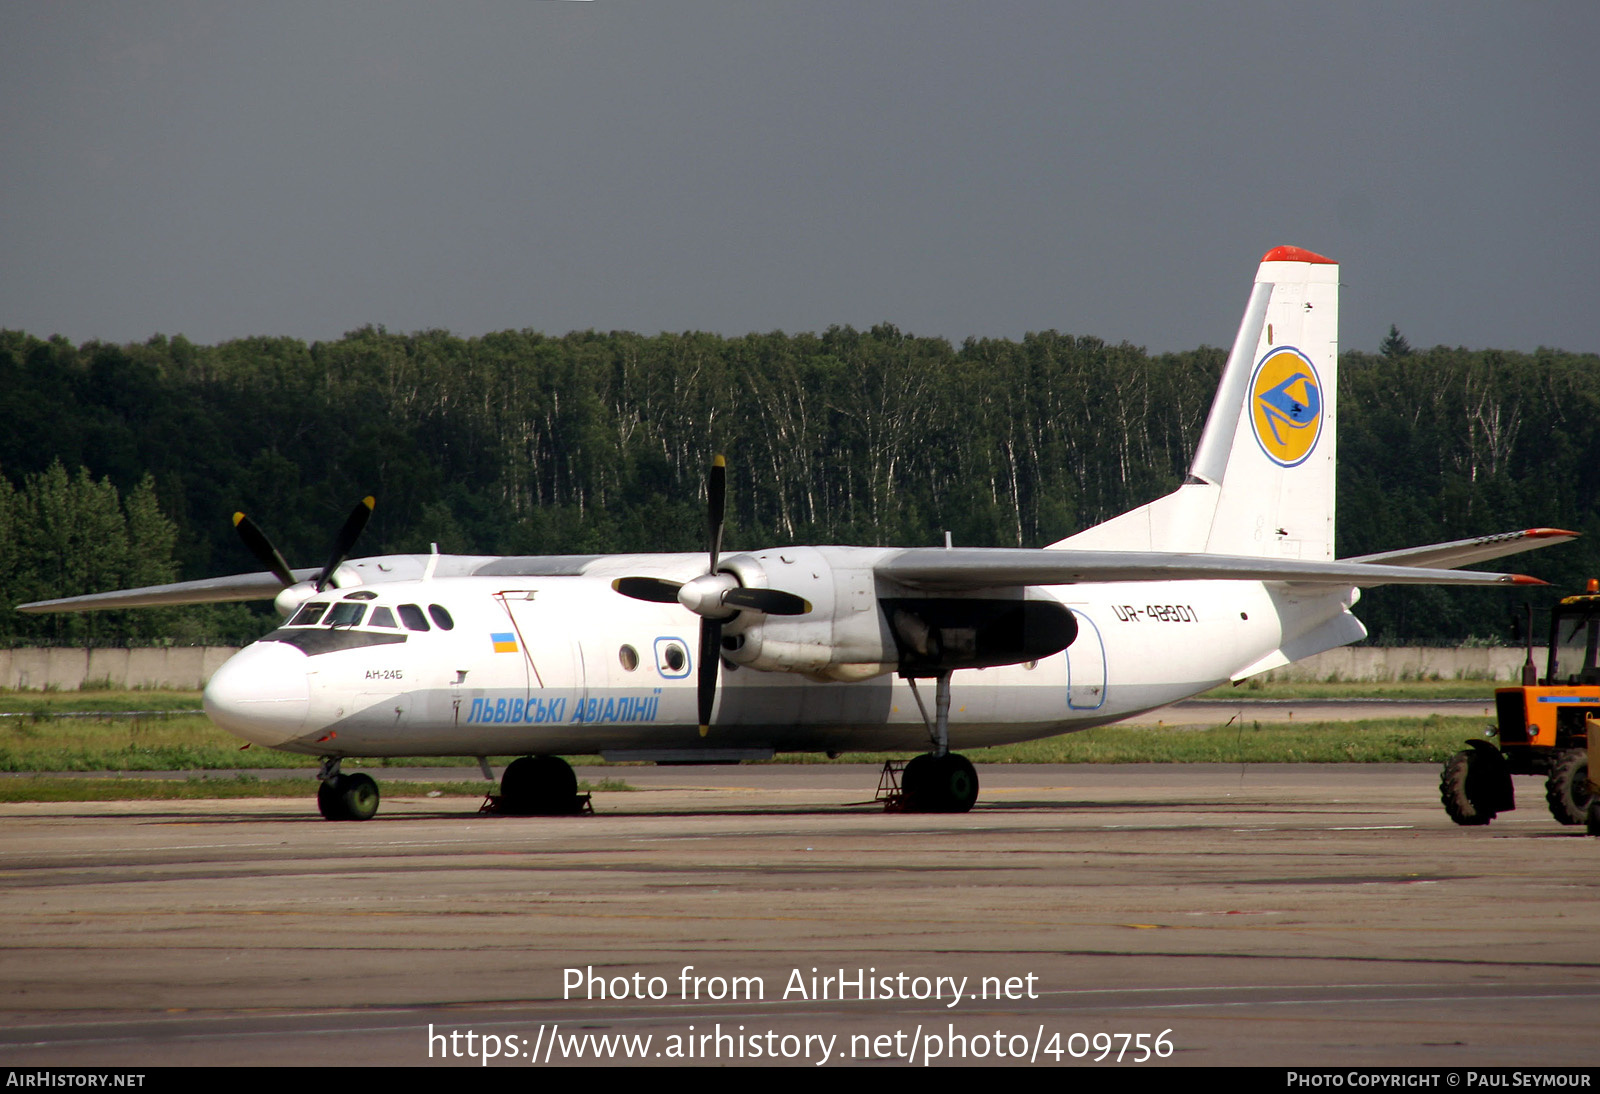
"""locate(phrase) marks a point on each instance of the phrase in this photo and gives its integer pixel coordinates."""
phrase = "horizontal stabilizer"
(997, 567)
(1461, 552)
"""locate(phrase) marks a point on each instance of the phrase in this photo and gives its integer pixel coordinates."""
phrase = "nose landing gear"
(345, 797)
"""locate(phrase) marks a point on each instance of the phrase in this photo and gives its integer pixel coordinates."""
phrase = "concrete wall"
(1409, 663)
(192, 666)
(67, 669)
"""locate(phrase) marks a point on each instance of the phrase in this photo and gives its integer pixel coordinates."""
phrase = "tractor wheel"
(1462, 791)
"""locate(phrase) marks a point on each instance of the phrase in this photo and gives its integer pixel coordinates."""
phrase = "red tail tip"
(1295, 254)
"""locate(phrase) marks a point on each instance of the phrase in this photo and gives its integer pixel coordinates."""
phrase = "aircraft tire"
(939, 784)
(1567, 788)
(348, 797)
(539, 786)
(914, 778)
(958, 783)
(1461, 789)
(329, 802)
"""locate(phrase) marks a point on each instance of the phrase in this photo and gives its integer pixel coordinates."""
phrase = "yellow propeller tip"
(369, 501)
(718, 461)
(704, 730)
(237, 517)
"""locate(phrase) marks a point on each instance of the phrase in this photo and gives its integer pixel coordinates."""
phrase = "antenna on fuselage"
(433, 563)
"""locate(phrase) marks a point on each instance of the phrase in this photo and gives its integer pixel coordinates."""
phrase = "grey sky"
(976, 169)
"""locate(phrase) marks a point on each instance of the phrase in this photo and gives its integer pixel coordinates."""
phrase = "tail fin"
(1261, 483)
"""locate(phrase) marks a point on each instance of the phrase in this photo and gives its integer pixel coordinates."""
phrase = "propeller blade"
(657, 590)
(710, 660)
(716, 500)
(256, 541)
(767, 601)
(353, 526)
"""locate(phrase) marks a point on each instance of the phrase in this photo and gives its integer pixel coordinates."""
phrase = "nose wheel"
(345, 797)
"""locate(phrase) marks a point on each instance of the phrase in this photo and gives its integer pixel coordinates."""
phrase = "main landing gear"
(939, 781)
(540, 786)
(345, 797)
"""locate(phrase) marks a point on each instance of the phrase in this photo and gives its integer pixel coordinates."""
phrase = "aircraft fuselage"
(565, 665)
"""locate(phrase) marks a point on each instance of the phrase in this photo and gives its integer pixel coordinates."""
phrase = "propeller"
(260, 546)
(256, 541)
(715, 596)
(354, 525)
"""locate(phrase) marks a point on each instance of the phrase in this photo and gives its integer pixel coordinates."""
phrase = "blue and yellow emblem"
(1286, 406)
(504, 643)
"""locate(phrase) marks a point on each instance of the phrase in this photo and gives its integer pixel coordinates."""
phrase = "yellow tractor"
(1543, 727)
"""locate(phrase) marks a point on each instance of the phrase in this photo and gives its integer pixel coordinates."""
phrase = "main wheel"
(348, 797)
(914, 777)
(1462, 789)
(939, 784)
(957, 782)
(1567, 788)
(539, 785)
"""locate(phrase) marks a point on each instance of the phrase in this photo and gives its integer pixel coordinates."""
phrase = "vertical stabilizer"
(1261, 482)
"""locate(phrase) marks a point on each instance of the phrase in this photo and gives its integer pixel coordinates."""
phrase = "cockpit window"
(308, 615)
(382, 617)
(346, 614)
(441, 617)
(412, 617)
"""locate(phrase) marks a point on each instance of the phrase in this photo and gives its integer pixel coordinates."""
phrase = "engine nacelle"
(291, 597)
(856, 630)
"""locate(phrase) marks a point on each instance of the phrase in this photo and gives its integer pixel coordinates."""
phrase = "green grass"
(1359, 689)
(178, 743)
(1386, 740)
(97, 699)
(193, 744)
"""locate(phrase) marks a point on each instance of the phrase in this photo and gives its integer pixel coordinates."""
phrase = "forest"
(123, 464)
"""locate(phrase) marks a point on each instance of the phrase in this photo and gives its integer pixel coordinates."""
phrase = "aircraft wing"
(211, 590)
(958, 568)
(1460, 552)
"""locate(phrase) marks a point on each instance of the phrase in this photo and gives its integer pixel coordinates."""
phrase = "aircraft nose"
(261, 693)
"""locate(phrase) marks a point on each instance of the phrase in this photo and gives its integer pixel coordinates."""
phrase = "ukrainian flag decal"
(504, 643)
(1286, 406)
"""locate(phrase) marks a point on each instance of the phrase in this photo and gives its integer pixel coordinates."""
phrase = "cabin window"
(412, 617)
(346, 615)
(308, 615)
(441, 617)
(382, 617)
(629, 657)
(671, 659)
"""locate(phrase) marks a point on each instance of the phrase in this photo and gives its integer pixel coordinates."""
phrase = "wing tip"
(1524, 579)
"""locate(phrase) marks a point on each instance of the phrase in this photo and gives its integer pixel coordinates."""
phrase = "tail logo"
(1286, 406)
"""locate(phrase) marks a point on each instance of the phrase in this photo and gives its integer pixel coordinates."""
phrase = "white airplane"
(820, 648)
